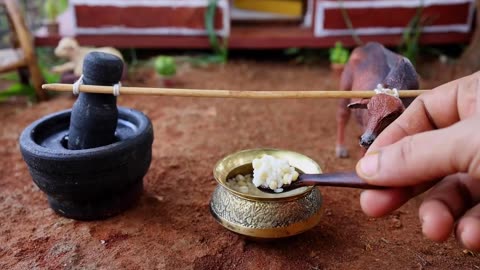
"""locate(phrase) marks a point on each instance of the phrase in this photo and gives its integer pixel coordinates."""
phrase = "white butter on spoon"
(273, 173)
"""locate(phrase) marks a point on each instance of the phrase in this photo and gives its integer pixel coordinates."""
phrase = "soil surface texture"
(171, 227)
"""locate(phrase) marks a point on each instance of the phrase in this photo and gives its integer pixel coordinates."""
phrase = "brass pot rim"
(285, 196)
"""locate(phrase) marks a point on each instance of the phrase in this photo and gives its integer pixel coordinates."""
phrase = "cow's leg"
(343, 112)
(343, 115)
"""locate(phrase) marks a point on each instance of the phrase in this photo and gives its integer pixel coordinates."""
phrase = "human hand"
(435, 142)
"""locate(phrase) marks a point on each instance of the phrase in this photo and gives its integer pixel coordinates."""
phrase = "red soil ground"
(171, 227)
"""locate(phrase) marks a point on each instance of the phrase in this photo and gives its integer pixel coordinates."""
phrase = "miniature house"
(261, 23)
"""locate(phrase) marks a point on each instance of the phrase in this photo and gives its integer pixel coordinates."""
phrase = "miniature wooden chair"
(22, 56)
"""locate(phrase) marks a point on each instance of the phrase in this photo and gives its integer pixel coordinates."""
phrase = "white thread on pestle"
(116, 89)
(76, 85)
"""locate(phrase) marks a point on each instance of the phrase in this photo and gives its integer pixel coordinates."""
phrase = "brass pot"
(263, 215)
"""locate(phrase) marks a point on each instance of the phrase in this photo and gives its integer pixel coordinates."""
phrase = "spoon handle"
(342, 179)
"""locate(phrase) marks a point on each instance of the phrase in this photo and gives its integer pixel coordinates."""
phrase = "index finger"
(439, 108)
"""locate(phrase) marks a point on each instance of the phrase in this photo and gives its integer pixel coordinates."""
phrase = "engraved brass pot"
(265, 216)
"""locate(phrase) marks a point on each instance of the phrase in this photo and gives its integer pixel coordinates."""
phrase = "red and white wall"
(147, 17)
(381, 17)
(323, 17)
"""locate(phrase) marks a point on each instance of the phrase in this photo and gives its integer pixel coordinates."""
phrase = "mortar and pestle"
(90, 160)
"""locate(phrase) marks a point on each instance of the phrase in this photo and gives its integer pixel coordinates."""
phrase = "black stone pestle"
(94, 116)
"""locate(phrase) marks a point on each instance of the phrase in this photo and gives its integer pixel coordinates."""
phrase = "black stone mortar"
(100, 173)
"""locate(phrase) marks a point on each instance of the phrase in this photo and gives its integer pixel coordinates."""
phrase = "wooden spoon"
(342, 179)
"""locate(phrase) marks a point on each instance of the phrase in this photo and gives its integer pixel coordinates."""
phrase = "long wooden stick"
(224, 93)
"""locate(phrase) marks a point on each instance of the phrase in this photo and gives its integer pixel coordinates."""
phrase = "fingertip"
(469, 233)
(367, 167)
(368, 203)
(437, 221)
(377, 203)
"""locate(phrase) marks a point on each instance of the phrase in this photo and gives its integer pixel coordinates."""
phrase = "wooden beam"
(212, 93)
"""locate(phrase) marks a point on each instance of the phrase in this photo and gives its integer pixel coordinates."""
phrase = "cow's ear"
(362, 104)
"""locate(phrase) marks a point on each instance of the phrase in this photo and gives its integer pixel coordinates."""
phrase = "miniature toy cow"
(369, 66)
(69, 49)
